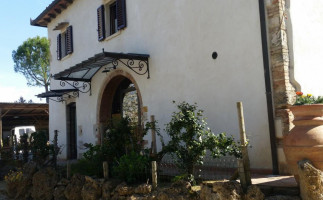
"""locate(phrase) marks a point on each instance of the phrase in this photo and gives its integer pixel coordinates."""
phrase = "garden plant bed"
(45, 184)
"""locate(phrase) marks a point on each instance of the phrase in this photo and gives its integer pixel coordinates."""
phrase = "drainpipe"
(270, 107)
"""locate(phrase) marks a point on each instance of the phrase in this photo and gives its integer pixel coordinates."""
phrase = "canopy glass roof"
(85, 70)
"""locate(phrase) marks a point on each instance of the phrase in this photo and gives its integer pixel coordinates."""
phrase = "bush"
(24, 147)
(86, 167)
(190, 138)
(40, 147)
(132, 168)
(120, 139)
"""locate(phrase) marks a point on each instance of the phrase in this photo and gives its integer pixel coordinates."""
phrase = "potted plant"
(305, 140)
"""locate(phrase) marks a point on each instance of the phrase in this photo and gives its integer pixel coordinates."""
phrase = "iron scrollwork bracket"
(140, 67)
(66, 96)
(83, 87)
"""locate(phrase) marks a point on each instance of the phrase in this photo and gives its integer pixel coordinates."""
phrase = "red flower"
(299, 93)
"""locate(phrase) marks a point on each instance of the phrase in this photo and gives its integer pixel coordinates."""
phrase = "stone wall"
(45, 184)
(283, 90)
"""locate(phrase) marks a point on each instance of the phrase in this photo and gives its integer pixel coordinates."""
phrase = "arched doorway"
(120, 98)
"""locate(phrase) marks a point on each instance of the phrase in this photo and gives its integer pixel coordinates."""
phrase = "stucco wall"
(180, 37)
(305, 43)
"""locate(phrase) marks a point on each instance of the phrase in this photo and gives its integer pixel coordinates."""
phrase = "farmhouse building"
(212, 52)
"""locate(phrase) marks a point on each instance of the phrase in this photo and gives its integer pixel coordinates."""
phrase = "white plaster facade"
(305, 42)
(180, 37)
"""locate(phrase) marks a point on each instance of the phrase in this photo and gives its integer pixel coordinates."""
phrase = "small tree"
(22, 100)
(190, 138)
(32, 60)
(40, 148)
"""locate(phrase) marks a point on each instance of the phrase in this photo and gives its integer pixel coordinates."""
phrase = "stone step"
(277, 185)
(273, 191)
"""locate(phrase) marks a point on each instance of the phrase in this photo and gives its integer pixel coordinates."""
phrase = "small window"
(111, 18)
(65, 43)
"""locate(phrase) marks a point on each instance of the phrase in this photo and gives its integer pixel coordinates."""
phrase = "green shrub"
(86, 167)
(24, 146)
(120, 139)
(132, 168)
(40, 147)
(190, 138)
(185, 177)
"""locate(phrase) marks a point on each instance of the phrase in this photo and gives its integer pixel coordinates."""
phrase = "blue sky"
(15, 28)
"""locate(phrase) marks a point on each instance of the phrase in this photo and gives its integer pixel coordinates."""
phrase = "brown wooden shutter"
(59, 46)
(101, 23)
(121, 14)
(69, 40)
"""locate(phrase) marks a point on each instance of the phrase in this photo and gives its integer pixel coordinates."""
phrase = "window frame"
(111, 18)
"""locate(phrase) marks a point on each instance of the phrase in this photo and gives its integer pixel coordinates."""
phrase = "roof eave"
(45, 17)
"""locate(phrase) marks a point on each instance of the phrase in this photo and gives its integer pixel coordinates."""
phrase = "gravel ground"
(3, 191)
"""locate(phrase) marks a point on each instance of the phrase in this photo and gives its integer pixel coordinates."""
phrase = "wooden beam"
(4, 114)
(47, 19)
(1, 143)
(63, 6)
(52, 15)
(27, 114)
(57, 10)
(23, 106)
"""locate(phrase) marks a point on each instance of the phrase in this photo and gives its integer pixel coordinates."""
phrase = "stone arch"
(106, 98)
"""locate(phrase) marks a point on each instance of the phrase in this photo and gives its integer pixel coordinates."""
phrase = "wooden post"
(55, 148)
(153, 135)
(242, 175)
(68, 170)
(1, 143)
(105, 170)
(244, 170)
(154, 174)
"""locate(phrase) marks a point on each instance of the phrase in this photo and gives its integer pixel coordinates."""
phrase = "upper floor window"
(65, 43)
(111, 18)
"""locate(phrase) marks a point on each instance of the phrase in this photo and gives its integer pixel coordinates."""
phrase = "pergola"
(23, 114)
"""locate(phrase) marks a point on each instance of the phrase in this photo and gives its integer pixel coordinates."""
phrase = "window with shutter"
(65, 43)
(59, 46)
(111, 17)
(69, 40)
(121, 14)
(101, 23)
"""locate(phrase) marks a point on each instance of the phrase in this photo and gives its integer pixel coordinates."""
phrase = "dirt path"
(3, 191)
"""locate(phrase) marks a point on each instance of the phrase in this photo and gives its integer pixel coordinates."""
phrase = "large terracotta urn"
(305, 140)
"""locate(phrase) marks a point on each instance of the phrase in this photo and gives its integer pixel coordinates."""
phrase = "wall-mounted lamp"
(108, 69)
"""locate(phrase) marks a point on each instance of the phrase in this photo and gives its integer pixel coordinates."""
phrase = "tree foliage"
(121, 140)
(22, 100)
(190, 138)
(32, 60)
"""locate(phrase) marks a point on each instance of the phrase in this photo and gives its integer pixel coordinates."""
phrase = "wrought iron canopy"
(59, 95)
(85, 70)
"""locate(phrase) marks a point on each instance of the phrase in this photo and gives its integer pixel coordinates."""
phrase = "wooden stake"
(154, 174)
(68, 170)
(55, 148)
(244, 170)
(153, 135)
(105, 170)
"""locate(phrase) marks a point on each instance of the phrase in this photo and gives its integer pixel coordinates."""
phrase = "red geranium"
(299, 93)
